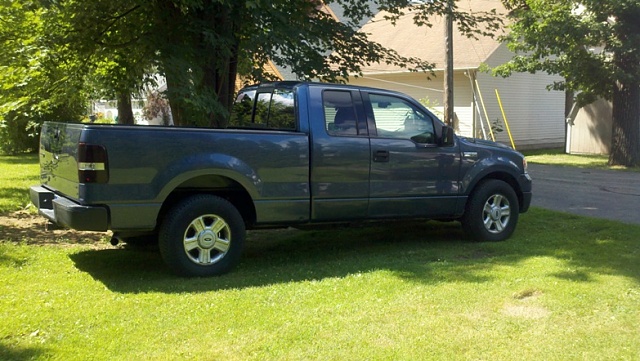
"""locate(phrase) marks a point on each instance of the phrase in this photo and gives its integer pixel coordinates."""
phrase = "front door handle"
(381, 156)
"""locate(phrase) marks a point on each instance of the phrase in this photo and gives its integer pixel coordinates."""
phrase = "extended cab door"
(340, 154)
(411, 175)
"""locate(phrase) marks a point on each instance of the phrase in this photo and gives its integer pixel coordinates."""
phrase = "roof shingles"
(428, 43)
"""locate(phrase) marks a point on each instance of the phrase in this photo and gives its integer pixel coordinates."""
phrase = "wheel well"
(222, 187)
(505, 177)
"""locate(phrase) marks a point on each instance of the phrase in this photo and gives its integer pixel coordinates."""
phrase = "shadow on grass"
(427, 253)
(417, 251)
(11, 261)
(8, 353)
(22, 159)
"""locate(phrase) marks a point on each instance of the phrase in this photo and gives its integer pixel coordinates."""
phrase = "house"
(534, 114)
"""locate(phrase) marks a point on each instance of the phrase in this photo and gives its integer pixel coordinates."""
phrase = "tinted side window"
(262, 109)
(282, 110)
(339, 113)
(397, 118)
(242, 112)
(271, 110)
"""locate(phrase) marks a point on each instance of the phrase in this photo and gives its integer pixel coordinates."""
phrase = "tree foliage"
(58, 52)
(35, 87)
(595, 46)
(107, 40)
(205, 45)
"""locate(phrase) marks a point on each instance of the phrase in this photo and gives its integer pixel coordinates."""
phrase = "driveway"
(590, 192)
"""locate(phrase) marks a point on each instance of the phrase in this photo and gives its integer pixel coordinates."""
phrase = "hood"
(486, 143)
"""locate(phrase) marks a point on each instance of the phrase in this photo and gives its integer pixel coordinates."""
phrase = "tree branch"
(114, 20)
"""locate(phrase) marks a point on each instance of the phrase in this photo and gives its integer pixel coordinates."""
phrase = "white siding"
(416, 85)
(535, 114)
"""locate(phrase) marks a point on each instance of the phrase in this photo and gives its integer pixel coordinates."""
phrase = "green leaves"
(59, 52)
(595, 46)
(33, 87)
(577, 40)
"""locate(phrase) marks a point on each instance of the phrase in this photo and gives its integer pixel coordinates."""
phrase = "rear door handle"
(381, 156)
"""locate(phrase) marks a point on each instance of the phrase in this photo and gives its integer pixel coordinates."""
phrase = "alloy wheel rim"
(207, 239)
(496, 213)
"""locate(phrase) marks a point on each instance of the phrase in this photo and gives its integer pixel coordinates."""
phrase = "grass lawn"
(17, 174)
(559, 157)
(562, 288)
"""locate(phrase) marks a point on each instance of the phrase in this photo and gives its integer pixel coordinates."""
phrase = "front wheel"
(492, 211)
(202, 236)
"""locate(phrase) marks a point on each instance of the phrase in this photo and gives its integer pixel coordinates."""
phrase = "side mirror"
(447, 138)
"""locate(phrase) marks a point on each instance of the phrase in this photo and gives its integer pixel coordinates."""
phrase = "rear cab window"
(264, 108)
(341, 115)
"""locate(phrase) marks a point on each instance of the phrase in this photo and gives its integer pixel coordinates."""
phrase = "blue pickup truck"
(294, 154)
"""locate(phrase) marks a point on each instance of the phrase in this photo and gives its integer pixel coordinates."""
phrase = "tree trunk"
(225, 86)
(625, 136)
(175, 101)
(220, 72)
(201, 93)
(125, 112)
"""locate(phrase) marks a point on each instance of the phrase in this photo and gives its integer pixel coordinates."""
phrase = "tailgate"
(58, 157)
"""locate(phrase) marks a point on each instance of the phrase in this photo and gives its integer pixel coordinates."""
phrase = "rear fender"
(221, 165)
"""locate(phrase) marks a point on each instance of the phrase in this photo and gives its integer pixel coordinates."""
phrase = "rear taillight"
(92, 164)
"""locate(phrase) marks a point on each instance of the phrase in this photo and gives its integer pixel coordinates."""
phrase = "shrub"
(20, 131)
(18, 134)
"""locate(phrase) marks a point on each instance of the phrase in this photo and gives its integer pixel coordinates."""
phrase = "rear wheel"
(202, 236)
(492, 211)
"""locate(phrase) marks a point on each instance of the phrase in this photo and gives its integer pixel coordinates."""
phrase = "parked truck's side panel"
(295, 154)
(146, 165)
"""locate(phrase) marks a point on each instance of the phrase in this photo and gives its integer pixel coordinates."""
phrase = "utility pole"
(448, 66)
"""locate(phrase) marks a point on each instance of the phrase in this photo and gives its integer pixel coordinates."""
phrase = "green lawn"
(562, 288)
(559, 157)
(17, 174)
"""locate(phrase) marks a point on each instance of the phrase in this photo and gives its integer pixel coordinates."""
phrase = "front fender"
(499, 167)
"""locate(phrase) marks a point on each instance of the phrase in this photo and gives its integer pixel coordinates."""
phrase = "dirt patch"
(526, 306)
(526, 311)
(25, 227)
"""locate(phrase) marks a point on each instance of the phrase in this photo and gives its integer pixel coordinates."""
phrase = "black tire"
(202, 236)
(491, 212)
